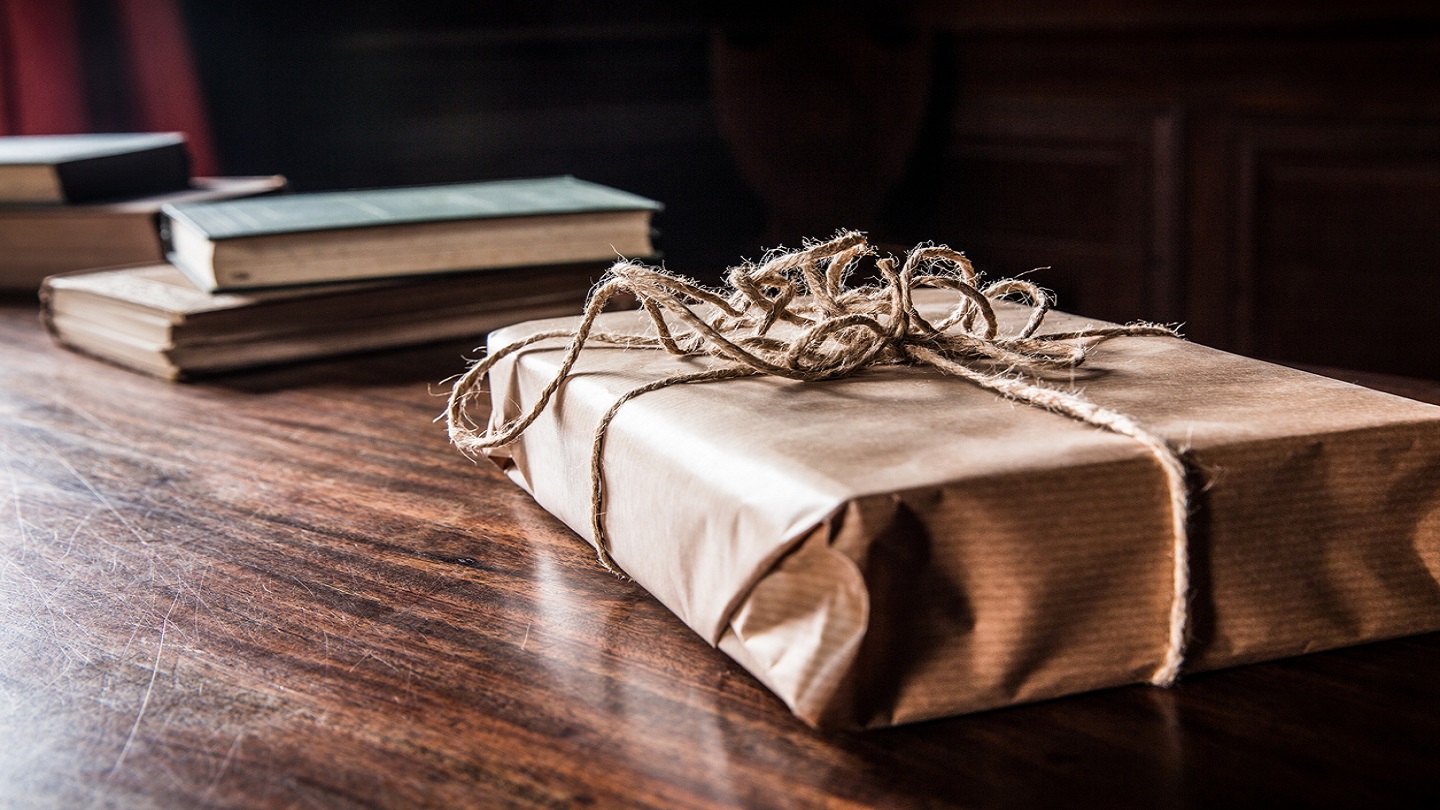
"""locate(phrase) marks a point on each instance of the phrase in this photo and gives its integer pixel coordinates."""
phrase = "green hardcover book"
(91, 168)
(351, 235)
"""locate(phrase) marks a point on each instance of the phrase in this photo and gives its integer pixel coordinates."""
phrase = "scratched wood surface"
(283, 589)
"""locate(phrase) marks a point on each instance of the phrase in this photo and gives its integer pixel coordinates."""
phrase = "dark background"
(1266, 173)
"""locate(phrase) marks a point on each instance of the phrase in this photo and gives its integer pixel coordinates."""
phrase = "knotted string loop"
(792, 315)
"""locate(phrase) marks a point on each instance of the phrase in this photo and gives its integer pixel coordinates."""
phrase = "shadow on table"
(432, 363)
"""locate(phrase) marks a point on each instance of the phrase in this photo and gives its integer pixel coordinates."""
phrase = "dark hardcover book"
(90, 168)
(349, 235)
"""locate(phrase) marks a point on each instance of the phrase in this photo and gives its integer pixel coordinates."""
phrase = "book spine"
(133, 174)
(167, 234)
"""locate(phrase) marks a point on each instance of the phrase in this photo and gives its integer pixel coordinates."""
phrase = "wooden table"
(284, 588)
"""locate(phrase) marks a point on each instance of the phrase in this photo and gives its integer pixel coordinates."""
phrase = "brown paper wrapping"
(901, 545)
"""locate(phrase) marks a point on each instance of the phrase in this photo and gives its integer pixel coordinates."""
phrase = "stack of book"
(273, 279)
(74, 202)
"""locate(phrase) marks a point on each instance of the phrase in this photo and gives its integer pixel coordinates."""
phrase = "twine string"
(793, 315)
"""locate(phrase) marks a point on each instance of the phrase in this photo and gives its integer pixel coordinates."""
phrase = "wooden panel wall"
(1267, 173)
(1270, 179)
(368, 94)
(1337, 248)
(1085, 188)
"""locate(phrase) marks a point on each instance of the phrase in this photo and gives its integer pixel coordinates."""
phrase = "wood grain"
(285, 589)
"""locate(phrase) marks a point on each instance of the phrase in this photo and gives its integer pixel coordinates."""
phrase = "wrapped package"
(902, 544)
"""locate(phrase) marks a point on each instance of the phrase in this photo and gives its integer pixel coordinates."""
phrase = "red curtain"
(43, 65)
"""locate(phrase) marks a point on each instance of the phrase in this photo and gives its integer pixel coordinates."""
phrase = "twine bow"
(793, 316)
